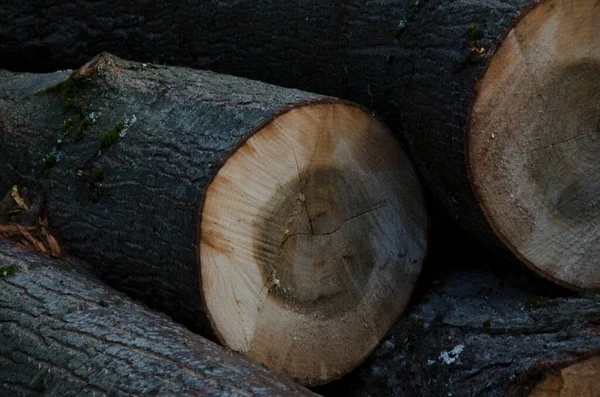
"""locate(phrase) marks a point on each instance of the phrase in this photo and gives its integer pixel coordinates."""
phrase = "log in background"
(476, 331)
(63, 333)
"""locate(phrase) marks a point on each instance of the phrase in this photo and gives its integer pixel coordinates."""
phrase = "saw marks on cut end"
(313, 235)
(534, 141)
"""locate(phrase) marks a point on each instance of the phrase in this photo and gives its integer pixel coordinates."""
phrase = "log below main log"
(479, 334)
(298, 220)
(64, 333)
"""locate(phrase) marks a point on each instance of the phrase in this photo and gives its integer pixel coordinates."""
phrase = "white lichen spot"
(389, 344)
(451, 356)
(129, 121)
(430, 362)
(92, 116)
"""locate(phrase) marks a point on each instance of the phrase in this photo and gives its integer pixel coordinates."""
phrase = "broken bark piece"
(14, 202)
(297, 219)
(62, 332)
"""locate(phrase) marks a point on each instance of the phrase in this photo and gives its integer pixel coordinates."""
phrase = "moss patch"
(97, 175)
(473, 32)
(95, 183)
(47, 163)
(68, 90)
(8, 270)
(109, 139)
(112, 136)
(68, 126)
(83, 126)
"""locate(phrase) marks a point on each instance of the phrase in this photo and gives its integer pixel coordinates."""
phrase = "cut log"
(297, 219)
(64, 333)
(479, 334)
(416, 63)
(578, 379)
(533, 141)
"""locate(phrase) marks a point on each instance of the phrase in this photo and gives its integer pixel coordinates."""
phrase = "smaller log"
(475, 333)
(63, 333)
(533, 139)
(574, 378)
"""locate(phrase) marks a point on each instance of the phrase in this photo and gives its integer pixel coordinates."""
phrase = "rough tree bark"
(476, 333)
(63, 333)
(416, 63)
(297, 219)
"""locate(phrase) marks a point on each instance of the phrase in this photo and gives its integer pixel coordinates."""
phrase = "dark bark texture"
(411, 61)
(122, 152)
(476, 333)
(63, 333)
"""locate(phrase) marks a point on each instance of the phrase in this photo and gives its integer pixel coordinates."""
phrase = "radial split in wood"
(312, 236)
(534, 143)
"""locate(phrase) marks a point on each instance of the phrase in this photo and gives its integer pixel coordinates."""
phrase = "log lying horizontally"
(534, 170)
(482, 335)
(62, 333)
(311, 231)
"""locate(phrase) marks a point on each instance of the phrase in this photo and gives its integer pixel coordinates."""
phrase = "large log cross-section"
(298, 220)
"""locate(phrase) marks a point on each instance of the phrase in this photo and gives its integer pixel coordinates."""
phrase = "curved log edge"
(475, 333)
(531, 140)
(64, 333)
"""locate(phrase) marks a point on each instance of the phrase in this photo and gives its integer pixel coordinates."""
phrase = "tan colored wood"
(534, 143)
(313, 235)
(581, 379)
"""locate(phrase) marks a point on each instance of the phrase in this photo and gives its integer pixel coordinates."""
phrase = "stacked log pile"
(291, 226)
